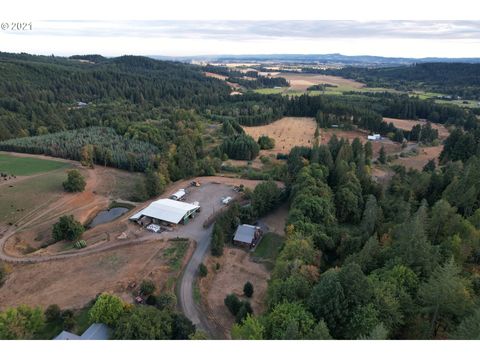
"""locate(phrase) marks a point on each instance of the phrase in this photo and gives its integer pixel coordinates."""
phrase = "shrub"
(266, 143)
(166, 301)
(244, 310)
(68, 320)
(67, 228)
(75, 182)
(151, 300)
(53, 313)
(147, 287)
(233, 303)
(248, 289)
(203, 271)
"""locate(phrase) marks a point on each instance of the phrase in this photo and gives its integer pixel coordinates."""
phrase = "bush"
(233, 303)
(244, 310)
(75, 182)
(68, 320)
(80, 244)
(266, 143)
(248, 289)
(147, 287)
(67, 228)
(166, 301)
(53, 313)
(151, 300)
(203, 271)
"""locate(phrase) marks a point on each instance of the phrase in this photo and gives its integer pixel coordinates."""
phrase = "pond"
(107, 215)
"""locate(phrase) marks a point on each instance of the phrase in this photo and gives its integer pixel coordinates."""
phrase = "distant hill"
(357, 60)
(455, 79)
(39, 94)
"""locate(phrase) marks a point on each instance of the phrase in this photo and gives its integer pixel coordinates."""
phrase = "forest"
(365, 262)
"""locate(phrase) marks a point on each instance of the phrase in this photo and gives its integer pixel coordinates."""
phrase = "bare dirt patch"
(287, 133)
(236, 268)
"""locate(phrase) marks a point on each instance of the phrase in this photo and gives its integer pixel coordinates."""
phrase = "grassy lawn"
(22, 166)
(269, 247)
(24, 196)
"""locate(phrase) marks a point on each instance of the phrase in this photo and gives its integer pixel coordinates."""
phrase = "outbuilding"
(247, 236)
(167, 210)
(179, 195)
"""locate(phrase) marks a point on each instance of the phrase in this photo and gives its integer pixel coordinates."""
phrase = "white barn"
(170, 211)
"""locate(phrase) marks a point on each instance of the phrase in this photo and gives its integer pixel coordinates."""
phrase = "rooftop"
(245, 233)
(94, 332)
(166, 209)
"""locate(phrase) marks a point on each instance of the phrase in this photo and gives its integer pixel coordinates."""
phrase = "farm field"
(22, 196)
(287, 133)
(299, 131)
(300, 82)
(23, 166)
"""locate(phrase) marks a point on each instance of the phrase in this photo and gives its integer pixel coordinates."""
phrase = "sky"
(397, 38)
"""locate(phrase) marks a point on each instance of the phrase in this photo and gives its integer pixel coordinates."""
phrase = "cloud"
(261, 30)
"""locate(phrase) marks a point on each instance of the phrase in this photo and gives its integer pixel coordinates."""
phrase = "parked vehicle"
(226, 200)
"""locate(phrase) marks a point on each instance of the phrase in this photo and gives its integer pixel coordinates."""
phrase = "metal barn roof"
(168, 210)
(245, 233)
(96, 331)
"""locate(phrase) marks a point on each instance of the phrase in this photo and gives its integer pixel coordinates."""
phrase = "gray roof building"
(94, 332)
(247, 235)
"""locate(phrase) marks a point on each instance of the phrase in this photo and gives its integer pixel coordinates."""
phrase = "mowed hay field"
(301, 82)
(405, 124)
(287, 133)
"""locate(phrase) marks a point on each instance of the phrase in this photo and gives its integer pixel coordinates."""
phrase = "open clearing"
(22, 166)
(405, 124)
(72, 283)
(287, 133)
(236, 268)
(425, 154)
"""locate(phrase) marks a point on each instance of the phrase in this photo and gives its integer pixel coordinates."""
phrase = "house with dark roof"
(247, 236)
(94, 332)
